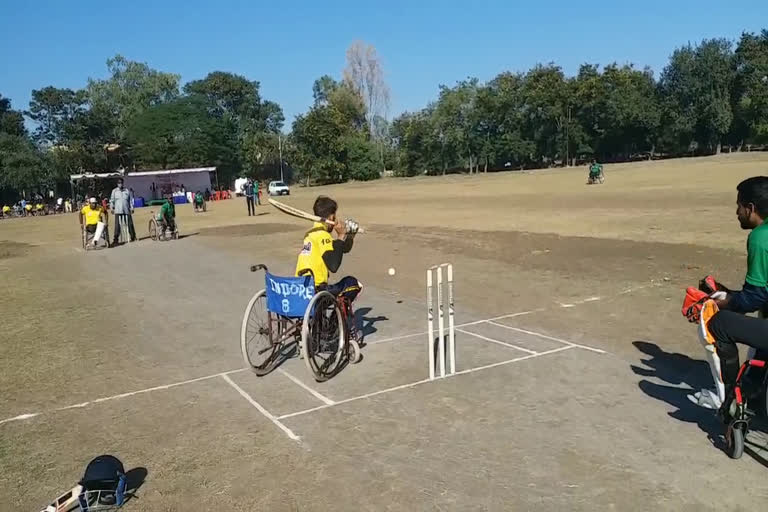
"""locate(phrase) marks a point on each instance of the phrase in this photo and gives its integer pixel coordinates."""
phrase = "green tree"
(322, 89)
(54, 110)
(237, 98)
(330, 141)
(696, 88)
(182, 133)
(11, 121)
(750, 92)
(131, 88)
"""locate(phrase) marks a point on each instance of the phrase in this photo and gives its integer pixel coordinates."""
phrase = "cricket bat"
(66, 501)
(295, 212)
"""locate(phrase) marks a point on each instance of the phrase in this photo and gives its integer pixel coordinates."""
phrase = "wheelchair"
(87, 237)
(159, 231)
(751, 388)
(199, 208)
(288, 317)
(596, 179)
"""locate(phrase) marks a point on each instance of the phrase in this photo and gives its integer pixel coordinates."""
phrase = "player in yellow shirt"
(322, 254)
(94, 218)
(6, 211)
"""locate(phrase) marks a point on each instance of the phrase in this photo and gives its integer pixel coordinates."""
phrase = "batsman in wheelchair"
(321, 254)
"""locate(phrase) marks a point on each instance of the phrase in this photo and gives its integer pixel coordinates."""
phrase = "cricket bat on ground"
(295, 212)
(66, 501)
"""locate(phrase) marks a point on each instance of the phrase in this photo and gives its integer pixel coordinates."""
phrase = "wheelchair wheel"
(152, 229)
(260, 335)
(323, 341)
(734, 438)
(353, 352)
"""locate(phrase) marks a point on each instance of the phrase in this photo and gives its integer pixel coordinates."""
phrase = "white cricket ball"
(391, 271)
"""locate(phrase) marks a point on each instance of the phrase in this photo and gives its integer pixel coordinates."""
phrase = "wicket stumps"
(124, 231)
(436, 345)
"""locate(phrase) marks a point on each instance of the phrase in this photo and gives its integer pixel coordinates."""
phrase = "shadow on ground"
(688, 375)
(134, 479)
(367, 324)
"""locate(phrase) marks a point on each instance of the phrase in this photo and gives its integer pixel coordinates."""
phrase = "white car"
(278, 188)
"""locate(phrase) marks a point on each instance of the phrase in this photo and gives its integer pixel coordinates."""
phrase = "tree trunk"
(718, 148)
(485, 169)
(653, 150)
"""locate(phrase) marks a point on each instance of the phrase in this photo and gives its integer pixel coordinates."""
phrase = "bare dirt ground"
(574, 360)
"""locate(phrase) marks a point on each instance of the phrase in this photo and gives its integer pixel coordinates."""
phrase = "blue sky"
(287, 45)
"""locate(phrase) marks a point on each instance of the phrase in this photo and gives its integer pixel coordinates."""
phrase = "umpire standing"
(248, 191)
(121, 203)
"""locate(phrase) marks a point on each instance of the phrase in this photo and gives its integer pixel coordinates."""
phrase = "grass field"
(574, 360)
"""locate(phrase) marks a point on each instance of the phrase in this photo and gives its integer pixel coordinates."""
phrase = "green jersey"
(198, 198)
(595, 169)
(757, 256)
(168, 211)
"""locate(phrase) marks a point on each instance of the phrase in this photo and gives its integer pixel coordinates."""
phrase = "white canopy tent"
(155, 184)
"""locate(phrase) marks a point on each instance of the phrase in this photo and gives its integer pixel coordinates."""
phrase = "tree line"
(709, 95)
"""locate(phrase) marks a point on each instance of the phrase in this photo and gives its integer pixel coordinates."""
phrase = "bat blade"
(66, 501)
(295, 212)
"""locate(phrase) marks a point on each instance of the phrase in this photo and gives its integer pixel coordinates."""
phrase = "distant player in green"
(199, 201)
(595, 171)
(167, 215)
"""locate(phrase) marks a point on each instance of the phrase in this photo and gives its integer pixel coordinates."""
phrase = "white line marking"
(511, 315)
(532, 333)
(424, 333)
(567, 305)
(123, 395)
(395, 338)
(20, 417)
(420, 382)
(590, 299)
(261, 409)
(510, 345)
(508, 361)
(322, 398)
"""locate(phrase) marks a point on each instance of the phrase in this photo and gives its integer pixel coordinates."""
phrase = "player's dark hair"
(324, 207)
(754, 190)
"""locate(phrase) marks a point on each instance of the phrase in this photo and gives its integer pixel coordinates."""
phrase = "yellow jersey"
(6, 209)
(92, 216)
(316, 242)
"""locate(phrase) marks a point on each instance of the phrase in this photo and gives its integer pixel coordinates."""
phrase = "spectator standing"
(248, 191)
(121, 203)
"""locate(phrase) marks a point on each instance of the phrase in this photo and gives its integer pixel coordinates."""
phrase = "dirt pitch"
(574, 360)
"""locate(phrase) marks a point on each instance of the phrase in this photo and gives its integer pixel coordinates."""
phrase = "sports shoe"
(706, 398)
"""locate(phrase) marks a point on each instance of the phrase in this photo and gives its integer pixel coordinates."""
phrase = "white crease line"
(567, 305)
(20, 417)
(319, 396)
(424, 381)
(510, 345)
(122, 395)
(521, 358)
(476, 322)
(532, 333)
(395, 338)
(511, 315)
(261, 409)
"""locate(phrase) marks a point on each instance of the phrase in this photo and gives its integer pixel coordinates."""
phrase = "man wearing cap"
(93, 218)
(121, 204)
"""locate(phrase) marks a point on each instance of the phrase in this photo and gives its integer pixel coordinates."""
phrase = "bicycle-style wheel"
(260, 335)
(323, 341)
(152, 229)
